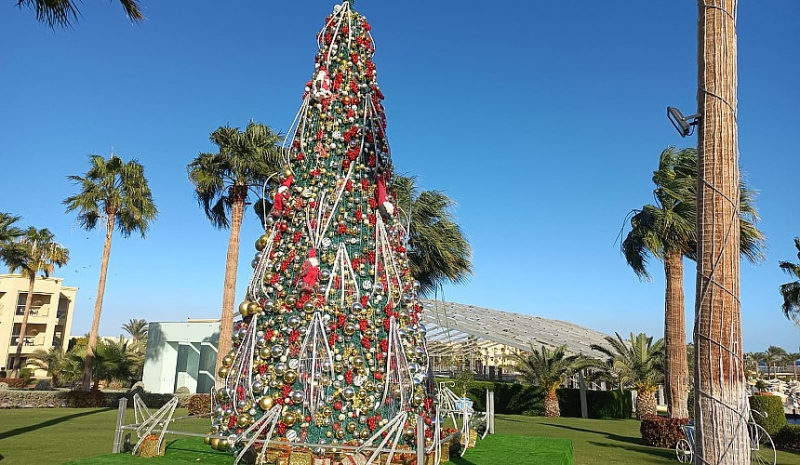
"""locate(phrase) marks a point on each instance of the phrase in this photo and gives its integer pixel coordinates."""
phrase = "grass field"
(46, 436)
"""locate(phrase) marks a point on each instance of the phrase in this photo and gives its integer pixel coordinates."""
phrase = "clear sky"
(543, 120)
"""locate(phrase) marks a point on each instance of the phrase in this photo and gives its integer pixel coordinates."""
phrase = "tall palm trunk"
(677, 367)
(721, 398)
(23, 327)
(231, 265)
(98, 304)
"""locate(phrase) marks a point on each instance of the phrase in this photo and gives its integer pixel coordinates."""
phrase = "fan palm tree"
(637, 363)
(223, 182)
(52, 360)
(667, 232)
(34, 252)
(8, 231)
(137, 329)
(437, 248)
(117, 194)
(549, 369)
(791, 291)
(63, 12)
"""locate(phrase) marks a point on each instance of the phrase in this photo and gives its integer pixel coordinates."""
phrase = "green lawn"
(45, 436)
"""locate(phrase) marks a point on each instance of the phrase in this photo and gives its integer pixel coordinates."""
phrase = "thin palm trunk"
(23, 327)
(721, 400)
(229, 293)
(677, 368)
(98, 304)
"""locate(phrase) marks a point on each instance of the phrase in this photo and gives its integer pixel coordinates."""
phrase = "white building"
(181, 355)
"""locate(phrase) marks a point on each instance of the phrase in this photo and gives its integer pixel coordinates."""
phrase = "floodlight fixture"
(683, 124)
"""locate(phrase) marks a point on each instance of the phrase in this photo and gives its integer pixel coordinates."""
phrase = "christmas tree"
(330, 352)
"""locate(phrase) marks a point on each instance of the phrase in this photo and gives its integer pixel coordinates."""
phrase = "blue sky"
(543, 120)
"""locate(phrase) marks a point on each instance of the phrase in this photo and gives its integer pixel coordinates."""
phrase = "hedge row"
(519, 399)
(44, 399)
(599, 404)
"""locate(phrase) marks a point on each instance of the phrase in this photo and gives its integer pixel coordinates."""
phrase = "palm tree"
(32, 253)
(437, 248)
(137, 329)
(52, 360)
(63, 12)
(549, 370)
(117, 194)
(637, 363)
(8, 231)
(223, 182)
(790, 359)
(791, 291)
(773, 357)
(667, 232)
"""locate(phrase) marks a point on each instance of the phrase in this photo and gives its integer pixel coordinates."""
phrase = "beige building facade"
(49, 322)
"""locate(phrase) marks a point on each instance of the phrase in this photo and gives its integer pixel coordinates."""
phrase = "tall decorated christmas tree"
(330, 354)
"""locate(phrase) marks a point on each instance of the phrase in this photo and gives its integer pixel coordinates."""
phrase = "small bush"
(43, 385)
(661, 431)
(183, 390)
(199, 404)
(775, 418)
(80, 399)
(788, 438)
(15, 383)
(25, 373)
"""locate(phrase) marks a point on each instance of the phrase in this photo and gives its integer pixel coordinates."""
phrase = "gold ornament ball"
(364, 434)
(214, 443)
(266, 403)
(223, 445)
(351, 427)
(289, 418)
(243, 420)
(290, 377)
(223, 372)
(244, 308)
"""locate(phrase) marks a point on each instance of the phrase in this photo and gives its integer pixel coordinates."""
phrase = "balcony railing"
(41, 310)
(31, 341)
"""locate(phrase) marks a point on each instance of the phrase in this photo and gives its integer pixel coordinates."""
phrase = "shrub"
(199, 404)
(15, 383)
(43, 385)
(92, 398)
(788, 438)
(25, 373)
(183, 390)
(661, 431)
(775, 418)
